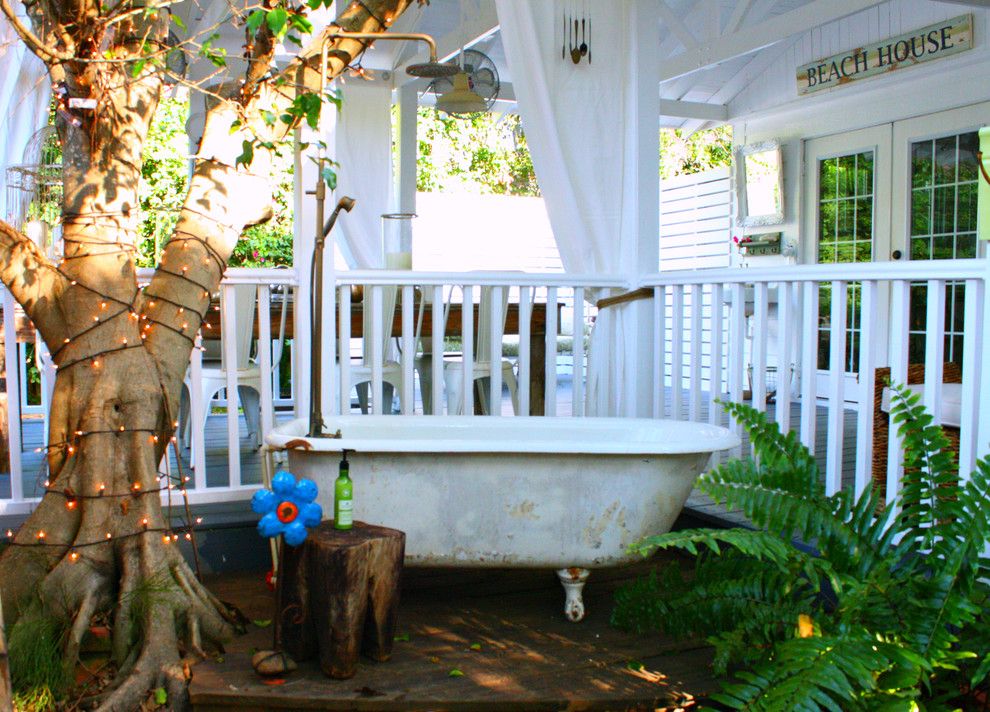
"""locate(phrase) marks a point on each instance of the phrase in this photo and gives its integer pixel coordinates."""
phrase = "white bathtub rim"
(706, 437)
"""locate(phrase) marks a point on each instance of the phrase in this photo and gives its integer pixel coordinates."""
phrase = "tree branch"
(224, 197)
(34, 43)
(33, 280)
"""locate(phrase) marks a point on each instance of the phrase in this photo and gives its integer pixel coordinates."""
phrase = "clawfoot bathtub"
(563, 493)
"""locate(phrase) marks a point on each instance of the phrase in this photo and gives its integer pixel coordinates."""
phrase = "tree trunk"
(99, 542)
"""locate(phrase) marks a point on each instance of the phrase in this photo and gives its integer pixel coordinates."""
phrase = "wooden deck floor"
(503, 629)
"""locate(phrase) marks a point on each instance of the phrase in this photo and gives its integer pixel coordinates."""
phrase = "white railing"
(717, 324)
(555, 298)
(714, 325)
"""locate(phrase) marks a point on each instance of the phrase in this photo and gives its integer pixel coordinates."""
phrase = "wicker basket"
(951, 373)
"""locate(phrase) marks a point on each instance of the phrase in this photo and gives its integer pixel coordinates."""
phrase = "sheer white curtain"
(363, 148)
(24, 95)
(580, 125)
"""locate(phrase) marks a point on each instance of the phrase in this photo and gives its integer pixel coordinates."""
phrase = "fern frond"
(811, 673)
(929, 491)
(784, 462)
(758, 544)
(726, 593)
(846, 533)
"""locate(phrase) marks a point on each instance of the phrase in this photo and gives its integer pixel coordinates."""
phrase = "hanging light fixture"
(461, 99)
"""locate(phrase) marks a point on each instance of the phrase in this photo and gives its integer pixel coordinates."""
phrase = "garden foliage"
(833, 602)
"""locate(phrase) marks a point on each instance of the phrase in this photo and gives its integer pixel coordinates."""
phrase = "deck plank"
(530, 657)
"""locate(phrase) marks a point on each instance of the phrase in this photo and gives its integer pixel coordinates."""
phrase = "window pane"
(826, 217)
(921, 248)
(846, 178)
(942, 247)
(969, 144)
(921, 217)
(945, 160)
(921, 164)
(965, 246)
(944, 210)
(864, 173)
(864, 219)
(845, 228)
(966, 214)
(826, 178)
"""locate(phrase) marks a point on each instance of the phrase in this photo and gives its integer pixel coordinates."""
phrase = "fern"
(891, 604)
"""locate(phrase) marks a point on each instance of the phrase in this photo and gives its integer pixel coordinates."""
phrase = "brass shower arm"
(388, 36)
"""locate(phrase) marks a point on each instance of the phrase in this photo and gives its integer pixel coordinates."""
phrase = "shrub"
(884, 609)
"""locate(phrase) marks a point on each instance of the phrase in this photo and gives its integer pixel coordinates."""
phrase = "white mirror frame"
(743, 219)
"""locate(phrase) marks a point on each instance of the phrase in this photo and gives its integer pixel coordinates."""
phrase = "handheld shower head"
(346, 204)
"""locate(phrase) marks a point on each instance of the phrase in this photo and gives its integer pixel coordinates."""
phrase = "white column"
(406, 141)
(639, 242)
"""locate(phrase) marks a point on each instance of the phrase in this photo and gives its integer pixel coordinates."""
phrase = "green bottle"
(343, 497)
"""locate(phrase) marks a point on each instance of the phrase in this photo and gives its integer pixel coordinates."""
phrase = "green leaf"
(179, 22)
(161, 696)
(301, 23)
(276, 19)
(138, 67)
(254, 20)
(247, 153)
(401, 638)
(329, 177)
(455, 673)
(263, 623)
(475, 646)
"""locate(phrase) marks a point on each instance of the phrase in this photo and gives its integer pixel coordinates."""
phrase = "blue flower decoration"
(288, 508)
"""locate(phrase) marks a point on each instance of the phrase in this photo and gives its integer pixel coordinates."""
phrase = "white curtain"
(24, 95)
(580, 124)
(363, 148)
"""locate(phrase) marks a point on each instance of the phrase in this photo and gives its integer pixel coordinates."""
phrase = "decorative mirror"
(760, 184)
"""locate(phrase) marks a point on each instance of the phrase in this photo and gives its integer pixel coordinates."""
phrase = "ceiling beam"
(677, 25)
(738, 15)
(693, 110)
(764, 34)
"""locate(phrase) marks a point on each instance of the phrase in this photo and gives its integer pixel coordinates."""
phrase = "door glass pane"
(943, 226)
(845, 234)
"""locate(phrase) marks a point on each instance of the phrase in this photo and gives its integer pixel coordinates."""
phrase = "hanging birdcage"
(34, 191)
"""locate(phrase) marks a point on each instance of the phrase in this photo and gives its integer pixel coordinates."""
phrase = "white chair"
(484, 353)
(360, 373)
(214, 371)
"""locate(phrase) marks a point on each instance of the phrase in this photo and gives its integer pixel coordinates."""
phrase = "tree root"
(160, 611)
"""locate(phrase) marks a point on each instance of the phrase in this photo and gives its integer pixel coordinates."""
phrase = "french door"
(935, 210)
(904, 190)
(847, 213)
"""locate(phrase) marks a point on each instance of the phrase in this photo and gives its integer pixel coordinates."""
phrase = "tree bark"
(98, 542)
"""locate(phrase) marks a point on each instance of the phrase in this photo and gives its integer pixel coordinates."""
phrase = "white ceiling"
(710, 49)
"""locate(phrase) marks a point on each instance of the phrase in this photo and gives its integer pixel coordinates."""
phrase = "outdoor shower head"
(346, 204)
(432, 69)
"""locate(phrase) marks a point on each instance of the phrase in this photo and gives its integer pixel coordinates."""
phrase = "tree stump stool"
(338, 595)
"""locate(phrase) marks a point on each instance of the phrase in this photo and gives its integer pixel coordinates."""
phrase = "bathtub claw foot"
(573, 579)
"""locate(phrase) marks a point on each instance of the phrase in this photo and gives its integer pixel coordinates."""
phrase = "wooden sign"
(933, 42)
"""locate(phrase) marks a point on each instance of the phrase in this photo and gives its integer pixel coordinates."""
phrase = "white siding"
(695, 216)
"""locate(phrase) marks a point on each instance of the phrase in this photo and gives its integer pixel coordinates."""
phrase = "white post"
(640, 247)
(406, 141)
(982, 373)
